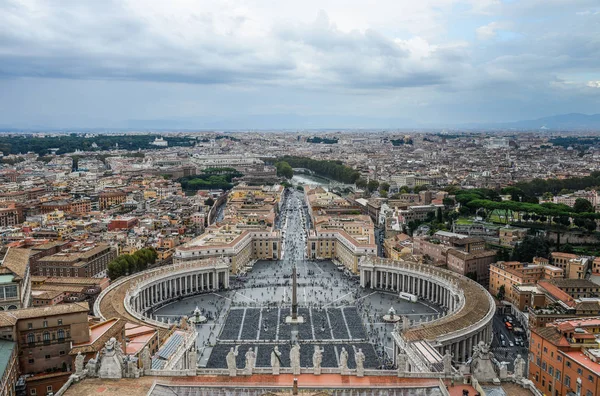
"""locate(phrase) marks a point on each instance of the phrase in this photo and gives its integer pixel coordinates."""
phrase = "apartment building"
(109, 198)
(236, 244)
(44, 336)
(506, 275)
(473, 264)
(565, 359)
(78, 260)
(15, 279)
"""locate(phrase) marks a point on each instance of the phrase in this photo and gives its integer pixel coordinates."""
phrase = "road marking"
(218, 295)
(240, 294)
(337, 299)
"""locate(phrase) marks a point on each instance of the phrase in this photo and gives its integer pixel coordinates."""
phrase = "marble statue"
(275, 360)
(483, 363)
(360, 363)
(250, 361)
(344, 361)
(295, 359)
(91, 368)
(402, 363)
(111, 364)
(447, 360)
(405, 323)
(317, 359)
(131, 368)
(192, 359)
(146, 360)
(519, 368)
(79, 364)
(231, 363)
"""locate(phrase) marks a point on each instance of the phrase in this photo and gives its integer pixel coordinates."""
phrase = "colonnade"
(425, 287)
(170, 287)
(439, 287)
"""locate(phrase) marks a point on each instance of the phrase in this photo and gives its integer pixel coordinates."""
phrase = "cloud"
(490, 31)
(439, 53)
(216, 46)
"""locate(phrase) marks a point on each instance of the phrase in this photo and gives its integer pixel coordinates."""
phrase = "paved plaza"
(337, 311)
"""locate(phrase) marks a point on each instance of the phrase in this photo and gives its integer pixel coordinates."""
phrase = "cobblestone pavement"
(260, 299)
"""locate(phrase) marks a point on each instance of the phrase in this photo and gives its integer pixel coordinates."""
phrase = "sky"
(325, 63)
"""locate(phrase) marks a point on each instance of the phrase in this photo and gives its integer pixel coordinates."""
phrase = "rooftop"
(6, 350)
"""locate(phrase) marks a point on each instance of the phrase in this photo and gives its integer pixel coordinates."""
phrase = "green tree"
(372, 185)
(384, 186)
(547, 196)
(583, 206)
(530, 247)
(501, 293)
(284, 169)
(567, 248)
(418, 189)
(361, 183)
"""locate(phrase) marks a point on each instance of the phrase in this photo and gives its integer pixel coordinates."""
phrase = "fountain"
(197, 318)
(391, 316)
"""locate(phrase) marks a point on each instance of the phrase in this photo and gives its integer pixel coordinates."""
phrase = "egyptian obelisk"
(294, 318)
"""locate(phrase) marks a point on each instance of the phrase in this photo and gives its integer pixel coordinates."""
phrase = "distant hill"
(571, 121)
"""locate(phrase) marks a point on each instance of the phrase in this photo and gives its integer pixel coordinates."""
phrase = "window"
(31, 338)
(557, 376)
(47, 356)
(61, 334)
(589, 393)
(559, 358)
(46, 337)
(30, 361)
(62, 353)
(579, 371)
(567, 380)
(544, 366)
(10, 291)
(590, 378)
(550, 370)
(545, 350)
(30, 326)
(568, 364)
(49, 388)
(33, 392)
(59, 322)
(45, 323)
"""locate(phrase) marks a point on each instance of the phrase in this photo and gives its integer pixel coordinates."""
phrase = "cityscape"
(299, 199)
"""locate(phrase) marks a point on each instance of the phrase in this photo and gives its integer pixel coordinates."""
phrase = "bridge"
(303, 170)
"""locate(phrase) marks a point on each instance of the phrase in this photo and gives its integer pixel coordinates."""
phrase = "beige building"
(44, 336)
(238, 246)
(15, 279)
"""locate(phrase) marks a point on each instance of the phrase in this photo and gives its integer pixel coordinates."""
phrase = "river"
(312, 180)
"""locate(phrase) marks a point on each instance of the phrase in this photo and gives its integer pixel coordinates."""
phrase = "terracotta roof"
(550, 334)
(557, 293)
(473, 255)
(51, 310)
(99, 334)
(17, 260)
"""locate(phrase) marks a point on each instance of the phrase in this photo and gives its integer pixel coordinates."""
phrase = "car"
(511, 344)
(501, 336)
(503, 343)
